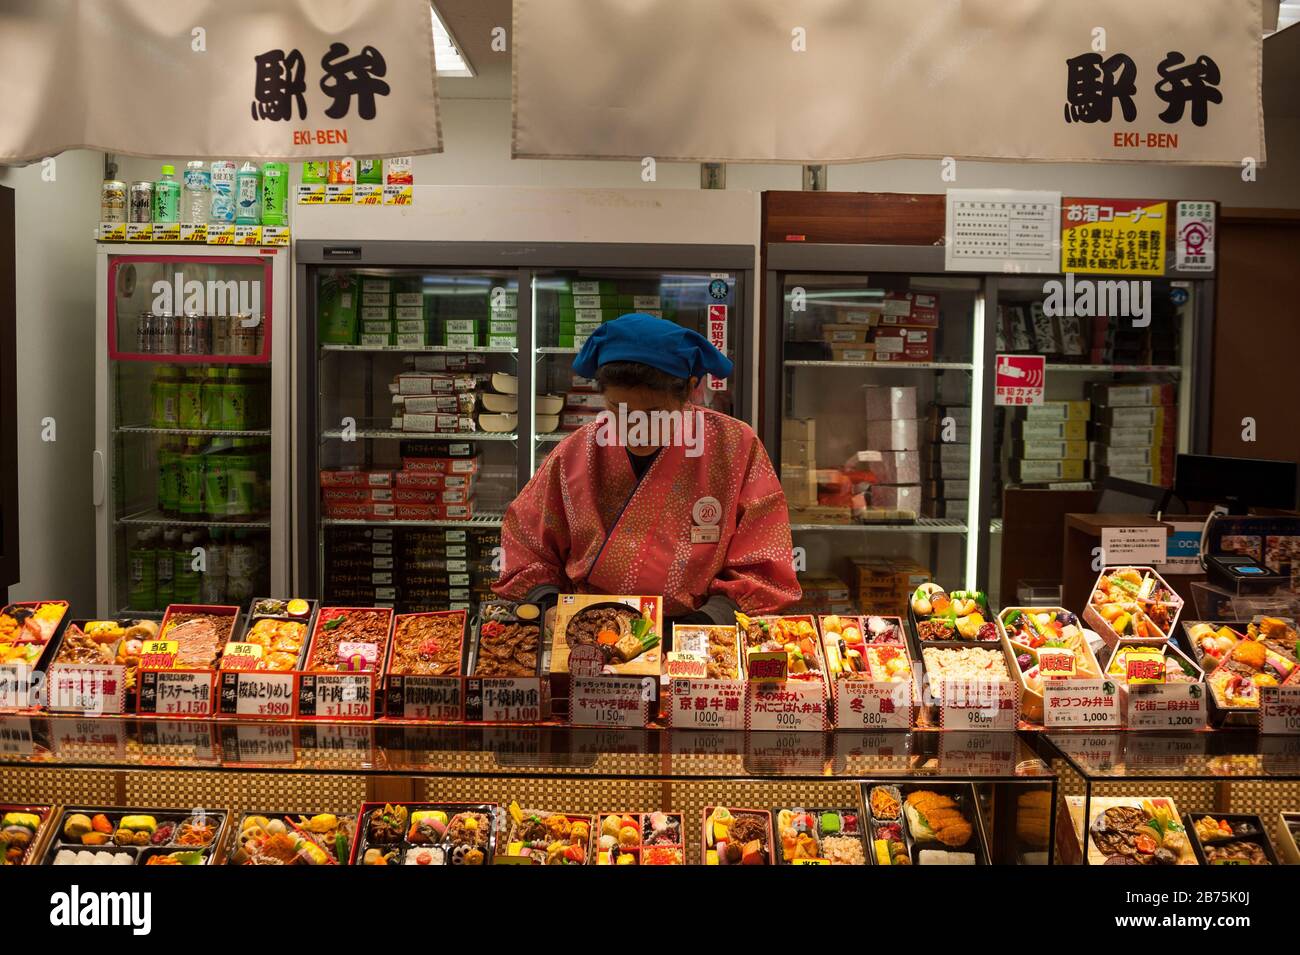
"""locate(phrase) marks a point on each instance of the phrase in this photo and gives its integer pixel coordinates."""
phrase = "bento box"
(23, 832)
(1132, 603)
(200, 632)
(924, 824)
(936, 616)
(1288, 837)
(1233, 839)
(425, 833)
(547, 837)
(352, 639)
(1134, 663)
(428, 644)
(279, 838)
(110, 836)
(785, 670)
(705, 674)
(1032, 631)
(113, 643)
(279, 629)
(30, 630)
(827, 836)
(506, 642)
(1126, 830)
(737, 836)
(640, 838)
(1240, 658)
(868, 650)
(618, 635)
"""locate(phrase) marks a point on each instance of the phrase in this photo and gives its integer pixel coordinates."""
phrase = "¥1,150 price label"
(707, 704)
(257, 693)
(337, 696)
(1167, 706)
(1080, 703)
(1279, 709)
(176, 692)
(504, 700)
(610, 700)
(424, 697)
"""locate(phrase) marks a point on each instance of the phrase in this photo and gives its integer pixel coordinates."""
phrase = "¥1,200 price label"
(1167, 706)
(256, 693)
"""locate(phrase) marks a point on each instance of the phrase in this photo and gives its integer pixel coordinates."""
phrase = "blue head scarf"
(657, 342)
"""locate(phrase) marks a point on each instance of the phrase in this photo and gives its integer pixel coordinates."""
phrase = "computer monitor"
(1240, 483)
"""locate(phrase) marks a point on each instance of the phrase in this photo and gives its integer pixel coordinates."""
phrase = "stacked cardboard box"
(583, 305)
(883, 585)
(1045, 448)
(799, 462)
(1134, 432)
(947, 461)
(886, 474)
(822, 594)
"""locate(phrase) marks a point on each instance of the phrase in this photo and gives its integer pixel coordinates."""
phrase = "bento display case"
(192, 410)
(434, 379)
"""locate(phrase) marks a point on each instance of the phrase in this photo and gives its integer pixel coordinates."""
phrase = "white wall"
(55, 223)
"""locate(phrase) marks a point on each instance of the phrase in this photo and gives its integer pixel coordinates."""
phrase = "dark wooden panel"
(868, 218)
(1033, 534)
(9, 572)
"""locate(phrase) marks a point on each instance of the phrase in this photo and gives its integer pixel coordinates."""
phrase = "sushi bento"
(820, 836)
(640, 838)
(422, 833)
(291, 839)
(925, 824)
(135, 837)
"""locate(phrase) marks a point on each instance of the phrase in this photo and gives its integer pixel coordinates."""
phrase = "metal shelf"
(557, 350)
(193, 432)
(995, 526)
(417, 349)
(1117, 369)
(554, 435)
(478, 520)
(923, 525)
(387, 434)
(155, 518)
(887, 365)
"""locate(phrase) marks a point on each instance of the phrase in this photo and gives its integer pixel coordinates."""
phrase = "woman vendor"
(631, 505)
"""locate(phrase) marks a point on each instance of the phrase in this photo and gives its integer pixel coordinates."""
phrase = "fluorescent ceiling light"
(1288, 13)
(447, 55)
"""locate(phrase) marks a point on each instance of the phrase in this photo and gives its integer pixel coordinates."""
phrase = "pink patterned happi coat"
(584, 524)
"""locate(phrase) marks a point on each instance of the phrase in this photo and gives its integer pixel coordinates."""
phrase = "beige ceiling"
(471, 23)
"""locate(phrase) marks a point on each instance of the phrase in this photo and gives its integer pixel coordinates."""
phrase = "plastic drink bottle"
(198, 185)
(167, 196)
(248, 195)
(222, 208)
(275, 193)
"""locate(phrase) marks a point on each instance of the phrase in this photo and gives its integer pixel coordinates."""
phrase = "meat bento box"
(1132, 603)
(106, 836)
(200, 632)
(505, 683)
(1051, 632)
(1125, 830)
(1241, 657)
(426, 664)
(924, 824)
(278, 629)
(29, 631)
(547, 837)
(112, 648)
(621, 635)
(425, 833)
(737, 836)
(279, 838)
(1233, 839)
(706, 678)
(640, 838)
(820, 837)
(868, 650)
(23, 831)
(349, 639)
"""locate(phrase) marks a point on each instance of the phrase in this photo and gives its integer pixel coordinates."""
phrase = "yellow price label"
(810, 862)
(242, 650)
(167, 232)
(398, 195)
(338, 194)
(221, 235)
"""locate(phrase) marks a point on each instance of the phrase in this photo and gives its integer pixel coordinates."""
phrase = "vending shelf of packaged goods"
(888, 365)
(922, 525)
(387, 434)
(152, 518)
(417, 349)
(1116, 369)
(556, 350)
(478, 520)
(193, 432)
(554, 436)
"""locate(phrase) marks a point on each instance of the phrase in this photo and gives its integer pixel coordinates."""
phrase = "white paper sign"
(256, 693)
(1080, 703)
(338, 696)
(1279, 709)
(1133, 545)
(707, 704)
(15, 686)
(610, 701)
(176, 693)
(1002, 230)
(424, 697)
(979, 705)
(798, 705)
(1194, 236)
(504, 700)
(861, 704)
(86, 688)
(1167, 706)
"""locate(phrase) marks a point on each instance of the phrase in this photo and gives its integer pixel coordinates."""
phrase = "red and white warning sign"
(718, 338)
(1019, 380)
(1194, 240)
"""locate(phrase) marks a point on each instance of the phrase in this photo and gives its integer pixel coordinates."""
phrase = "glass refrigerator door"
(876, 433)
(192, 490)
(570, 304)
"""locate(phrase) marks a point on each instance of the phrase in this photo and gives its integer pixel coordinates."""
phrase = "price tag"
(984, 705)
(706, 704)
(258, 693)
(338, 194)
(166, 232)
(221, 233)
(610, 700)
(877, 705)
(977, 754)
(86, 688)
(311, 194)
(368, 194)
(158, 654)
(241, 656)
(139, 232)
(767, 666)
(1169, 706)
(1140, 546)
(1279, 709)
(504, 700)
(337, 696)
(194, 232)
(248, 235)
(275, 235)
(687, 665)
(1080, 702)
(399, 195)
(176, 692)
(810, 862)
(16, 686)
(424, 697)
(798, 705)
(268, 743)
(112, 232)
(16, 737)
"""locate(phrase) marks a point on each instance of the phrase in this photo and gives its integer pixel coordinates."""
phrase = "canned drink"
(222, 208)
(112, 201)
(343, 171)
(145, 334)
(220, 325)
(243, 335)
(164, 334)
(194, 334)
(141, 209)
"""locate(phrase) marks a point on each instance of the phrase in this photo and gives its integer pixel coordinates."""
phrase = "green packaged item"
(211, 398)
(192, 481)
(337, 309)
(190, 400)
(142, 573)
(275, 193)
(376, 340)
(216, 485)
(237, 394)
(166, 399)
(315, 171)
(241, 481)
(460, 326)
(370, 171)
(502, 327)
